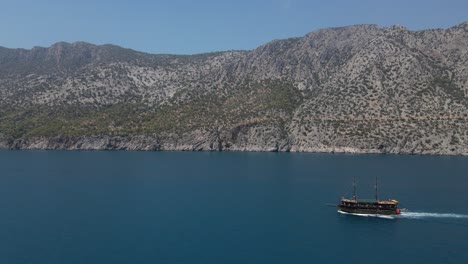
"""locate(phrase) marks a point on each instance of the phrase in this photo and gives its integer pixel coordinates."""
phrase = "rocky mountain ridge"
(360, 89)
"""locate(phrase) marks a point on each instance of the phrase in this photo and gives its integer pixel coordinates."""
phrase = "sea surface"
(229, 207)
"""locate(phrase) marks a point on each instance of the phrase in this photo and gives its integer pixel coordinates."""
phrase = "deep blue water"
(187, 207)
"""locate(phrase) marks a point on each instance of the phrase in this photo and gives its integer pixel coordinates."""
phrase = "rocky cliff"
(360, 89)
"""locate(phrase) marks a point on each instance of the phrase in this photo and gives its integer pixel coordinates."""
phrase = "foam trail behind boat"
(421, 215)
(414, 215)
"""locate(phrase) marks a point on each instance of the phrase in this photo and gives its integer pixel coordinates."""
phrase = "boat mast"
(376, 193)
(354, 188)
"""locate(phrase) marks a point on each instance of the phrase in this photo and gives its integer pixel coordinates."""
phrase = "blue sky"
(187, 27)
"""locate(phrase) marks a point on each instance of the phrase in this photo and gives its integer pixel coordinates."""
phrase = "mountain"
(359, 89)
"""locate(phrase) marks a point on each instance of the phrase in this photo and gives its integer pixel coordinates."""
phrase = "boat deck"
(370, 201)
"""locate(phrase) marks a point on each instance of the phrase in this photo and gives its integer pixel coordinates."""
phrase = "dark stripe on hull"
(367, 211)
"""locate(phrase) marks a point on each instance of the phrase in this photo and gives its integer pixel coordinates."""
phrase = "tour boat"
(368, 206)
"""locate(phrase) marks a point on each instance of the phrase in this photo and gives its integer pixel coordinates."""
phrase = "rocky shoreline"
(152, 143)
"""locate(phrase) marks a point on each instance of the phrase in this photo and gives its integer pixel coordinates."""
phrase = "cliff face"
(360, 89)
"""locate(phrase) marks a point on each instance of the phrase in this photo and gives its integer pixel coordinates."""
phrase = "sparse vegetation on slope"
(352, 89)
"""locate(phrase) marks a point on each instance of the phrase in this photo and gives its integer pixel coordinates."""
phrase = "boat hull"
(373, 211)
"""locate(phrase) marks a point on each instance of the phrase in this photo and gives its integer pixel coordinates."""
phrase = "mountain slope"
(351, 89)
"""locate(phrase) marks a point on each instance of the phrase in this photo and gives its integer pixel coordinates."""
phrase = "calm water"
(185, 207)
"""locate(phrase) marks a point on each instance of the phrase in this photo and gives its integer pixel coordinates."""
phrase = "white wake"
(421, 215)
(413, 215)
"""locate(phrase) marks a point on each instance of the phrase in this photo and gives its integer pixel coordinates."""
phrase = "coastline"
(150, 143)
